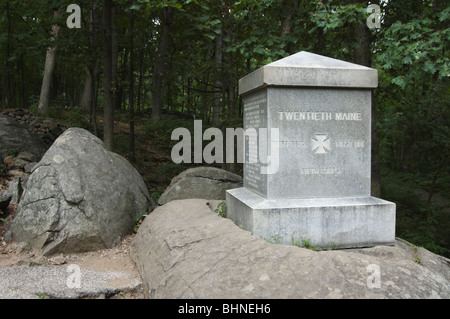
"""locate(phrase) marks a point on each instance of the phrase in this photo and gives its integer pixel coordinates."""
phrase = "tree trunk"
(86, 95)
(320, 43)
(95, 89)
(289, 9)
(93, 71)
(22, 74)
(362, 53)
(132, 146)
(158, 72)
(122, 99)
(108, 113)
(115, 59)
(93, 105)
(231, 97)
(218, 84)
(141, 79)
(8, 64)
(50, 61)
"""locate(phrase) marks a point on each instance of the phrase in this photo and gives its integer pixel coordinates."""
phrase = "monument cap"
(309, 69)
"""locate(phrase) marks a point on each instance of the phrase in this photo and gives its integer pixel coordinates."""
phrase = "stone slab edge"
(310, 70)
(328, 222)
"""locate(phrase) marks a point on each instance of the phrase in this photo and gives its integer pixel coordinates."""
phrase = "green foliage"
(305, 243)
(332, 15)
(273, 240)
(121, 143)
(33, 102)
(421, 223)
(73, 117)
(221, 210)
(79, 118)
(161, 131)
(156, 193)
(2, 168)
(335, 21)
(413, 113)
(138, 221)
(169, 169)
(13, 152)
(42, 295)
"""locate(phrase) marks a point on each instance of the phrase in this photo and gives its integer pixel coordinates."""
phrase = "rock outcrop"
(16, 138)
(79, 197)
(184, 250)
(200, 182)
(44, 128)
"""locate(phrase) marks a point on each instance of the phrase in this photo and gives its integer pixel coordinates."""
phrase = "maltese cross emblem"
(320, 143)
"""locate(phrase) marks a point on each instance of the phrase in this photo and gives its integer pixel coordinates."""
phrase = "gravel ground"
(108, 273)
(60, 282)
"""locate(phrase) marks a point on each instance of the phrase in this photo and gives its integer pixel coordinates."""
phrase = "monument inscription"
(255, 107)
(322, 143)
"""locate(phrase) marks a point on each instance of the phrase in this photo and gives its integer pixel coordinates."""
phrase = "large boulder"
(201, 182)
(79, 197)
(184, 250)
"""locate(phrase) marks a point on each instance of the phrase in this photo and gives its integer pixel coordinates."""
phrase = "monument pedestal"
(324, 222)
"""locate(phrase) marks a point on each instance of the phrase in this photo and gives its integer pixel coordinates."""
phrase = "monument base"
(323, 222)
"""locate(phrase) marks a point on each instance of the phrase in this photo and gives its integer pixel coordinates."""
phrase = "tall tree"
(131, 98)
(50, 60)
(218, 86)
(289, 9)
(8, 67)
(114, 57)
(108, 112)
(158, 72)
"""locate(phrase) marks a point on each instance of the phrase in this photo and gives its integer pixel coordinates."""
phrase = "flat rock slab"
(184, 250)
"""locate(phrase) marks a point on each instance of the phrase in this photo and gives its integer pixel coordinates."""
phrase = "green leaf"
(400, 81)
(407, 60)
(429, 67)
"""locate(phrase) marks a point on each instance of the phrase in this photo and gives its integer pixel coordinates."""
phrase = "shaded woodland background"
(147, 67)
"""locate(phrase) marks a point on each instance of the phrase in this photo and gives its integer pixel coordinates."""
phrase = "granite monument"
(320, 191)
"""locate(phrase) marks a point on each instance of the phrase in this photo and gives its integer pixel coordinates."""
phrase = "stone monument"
(317, 114)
